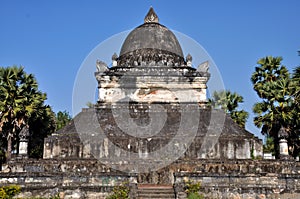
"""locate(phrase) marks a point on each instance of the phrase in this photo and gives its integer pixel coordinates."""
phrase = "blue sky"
(52, 38)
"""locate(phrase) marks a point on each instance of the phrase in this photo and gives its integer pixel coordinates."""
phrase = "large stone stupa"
(152, 101)
(152, 127)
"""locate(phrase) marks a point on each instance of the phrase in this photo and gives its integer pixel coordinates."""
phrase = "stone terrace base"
(87, 178)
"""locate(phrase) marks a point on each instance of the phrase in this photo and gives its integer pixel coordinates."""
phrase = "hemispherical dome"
(151, 36)
(151, 44)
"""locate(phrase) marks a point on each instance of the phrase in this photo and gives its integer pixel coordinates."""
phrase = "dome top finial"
(151, 16)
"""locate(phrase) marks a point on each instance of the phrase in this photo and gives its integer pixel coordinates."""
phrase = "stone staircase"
(148, 191)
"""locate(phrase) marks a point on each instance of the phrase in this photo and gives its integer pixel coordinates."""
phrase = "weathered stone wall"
(219, 179)
(69, 178)
(233, 142)
(150, 84)
(240, 178)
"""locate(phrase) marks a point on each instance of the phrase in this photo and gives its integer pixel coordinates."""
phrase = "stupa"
(151, 110)
(152, 127)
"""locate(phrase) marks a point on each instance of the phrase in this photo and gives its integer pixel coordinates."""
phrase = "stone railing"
(240, 179)
(67, 178)
(219, 179)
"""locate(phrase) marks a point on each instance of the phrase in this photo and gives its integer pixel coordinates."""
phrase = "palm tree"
(272, 83)
(229, 102)
(19, 99)
(296, 78)
(295, 122)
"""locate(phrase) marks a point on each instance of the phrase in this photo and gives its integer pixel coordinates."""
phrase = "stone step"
(147, 191)
(149, 196)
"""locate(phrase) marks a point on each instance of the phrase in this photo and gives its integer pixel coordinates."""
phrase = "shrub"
(192, 189)
(10, 191)
(55, 197)
(120, 192)
(195, 196)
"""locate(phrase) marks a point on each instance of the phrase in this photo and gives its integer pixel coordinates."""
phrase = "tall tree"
(19, 100)
(90, 105)
(269, 145)
(296, 79)
(62, 119)
(272, 83)
(229, 102)
(41, 125)
(295, 122)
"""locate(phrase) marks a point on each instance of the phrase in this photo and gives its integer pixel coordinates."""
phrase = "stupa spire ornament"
(151, 17)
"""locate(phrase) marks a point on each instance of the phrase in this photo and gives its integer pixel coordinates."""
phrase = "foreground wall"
(67, 178)
(242, 179)
(86, 178)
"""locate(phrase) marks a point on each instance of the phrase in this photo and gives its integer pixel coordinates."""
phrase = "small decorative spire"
(114, 59)
(282, 133)
(189, 57)
(151, 17)
(189, 60)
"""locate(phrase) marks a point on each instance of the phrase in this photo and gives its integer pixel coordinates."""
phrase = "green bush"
(120, 192)
(55, 197)
(192, 189)
(52, 197)
(195, 196)
(2, 193)
(10, 191)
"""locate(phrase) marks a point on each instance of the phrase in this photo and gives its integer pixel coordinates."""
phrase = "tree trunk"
(276, 147)
(9, 148)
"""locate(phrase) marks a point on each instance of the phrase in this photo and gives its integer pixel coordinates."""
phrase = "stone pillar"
(284, 149)
(23, 148)
(133, 185)
(179, 186)
(283, 145)
(23, 144)
(47, 149)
